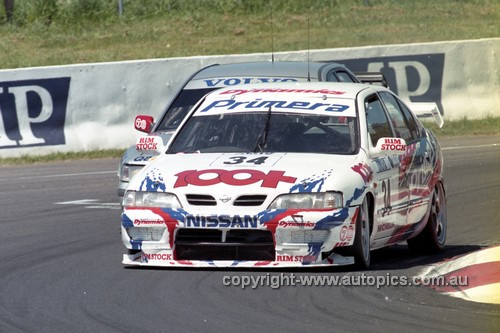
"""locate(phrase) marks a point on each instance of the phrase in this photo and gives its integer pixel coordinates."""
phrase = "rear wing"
(372, 78)
(427, 110)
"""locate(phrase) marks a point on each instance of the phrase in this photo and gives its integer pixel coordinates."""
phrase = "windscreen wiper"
(263, 136)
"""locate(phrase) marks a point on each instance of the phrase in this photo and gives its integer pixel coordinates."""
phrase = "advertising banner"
(92, 106)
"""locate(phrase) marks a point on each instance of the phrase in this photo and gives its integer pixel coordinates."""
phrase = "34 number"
(243, 159)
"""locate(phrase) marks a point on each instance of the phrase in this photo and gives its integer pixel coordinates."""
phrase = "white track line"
(470, 147)
(62, 175)
(91, 203)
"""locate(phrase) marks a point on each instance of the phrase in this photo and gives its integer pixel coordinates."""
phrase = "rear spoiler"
(427, 110)
(372, 78)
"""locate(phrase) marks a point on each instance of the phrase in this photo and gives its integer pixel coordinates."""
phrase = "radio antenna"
(308, 60)
(272, 35)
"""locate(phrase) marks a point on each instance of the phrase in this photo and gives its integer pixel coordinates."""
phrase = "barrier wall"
(92, 106)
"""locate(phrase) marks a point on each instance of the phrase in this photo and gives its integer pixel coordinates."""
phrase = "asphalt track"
(61, 271)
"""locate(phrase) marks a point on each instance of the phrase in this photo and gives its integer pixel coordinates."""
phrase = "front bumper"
(122, 186)
(296, 238)
(144, 259)
(127, 171)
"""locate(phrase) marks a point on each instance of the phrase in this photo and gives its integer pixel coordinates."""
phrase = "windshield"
(267, 132)
(180, 107)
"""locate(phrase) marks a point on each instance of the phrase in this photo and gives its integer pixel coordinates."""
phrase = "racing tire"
(433, 237)
(360, 250)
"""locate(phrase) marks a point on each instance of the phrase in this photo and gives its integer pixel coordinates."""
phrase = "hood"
(226, 176)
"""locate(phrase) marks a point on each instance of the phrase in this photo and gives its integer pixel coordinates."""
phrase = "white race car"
(285, 175)
(228, 75)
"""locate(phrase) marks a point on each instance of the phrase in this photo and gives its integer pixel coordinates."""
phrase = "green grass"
(55, 32)
(110, 153)
(463, 127)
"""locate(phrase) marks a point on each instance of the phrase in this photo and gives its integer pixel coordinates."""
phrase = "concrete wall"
(92, 106)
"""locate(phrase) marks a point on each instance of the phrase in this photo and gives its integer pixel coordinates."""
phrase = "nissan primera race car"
(220, 76)
(273, 175)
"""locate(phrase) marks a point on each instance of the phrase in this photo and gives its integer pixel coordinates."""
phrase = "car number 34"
(250, 159)
(245, 159)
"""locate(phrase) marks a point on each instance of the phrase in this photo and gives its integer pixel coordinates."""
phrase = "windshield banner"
(331, 108)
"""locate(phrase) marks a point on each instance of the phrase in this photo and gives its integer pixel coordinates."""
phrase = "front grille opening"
(249, 236)
(198, 236)
(207, 244)
(201, 200)
(250, 200)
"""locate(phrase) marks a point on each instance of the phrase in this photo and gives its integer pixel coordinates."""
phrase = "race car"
(227, 75)
(287, 175)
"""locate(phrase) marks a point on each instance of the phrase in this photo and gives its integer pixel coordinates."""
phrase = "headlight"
(129, 171)
(308, 236)
(145, 234)
(150, 199)
(323, 200)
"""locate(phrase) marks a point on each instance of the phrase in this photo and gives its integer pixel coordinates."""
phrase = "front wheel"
(361, 247)
(433, 236)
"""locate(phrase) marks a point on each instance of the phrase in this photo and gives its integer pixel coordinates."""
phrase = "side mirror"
(151, 144)
(144, 123)
(389, 147)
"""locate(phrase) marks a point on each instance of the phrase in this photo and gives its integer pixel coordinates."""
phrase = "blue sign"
(415, 78)
(33, 112)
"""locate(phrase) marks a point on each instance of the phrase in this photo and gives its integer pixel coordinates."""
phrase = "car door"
(386, 174)
(410, 164)
(421, 169)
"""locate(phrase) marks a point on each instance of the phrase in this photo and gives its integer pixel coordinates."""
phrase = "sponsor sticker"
(289, 224)
(346, 233)
(280, 90)
(138, 222)
(148, 143)
(156, 256)
(393, 144)
(294, 258)
(222, 221)
(259, 104)
(239, 177)
(222, 82)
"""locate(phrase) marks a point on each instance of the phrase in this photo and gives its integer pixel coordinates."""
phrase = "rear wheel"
(361, 247)
(433, 236)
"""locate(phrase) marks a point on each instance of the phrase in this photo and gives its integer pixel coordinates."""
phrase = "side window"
(339, 76)
(177, 111)
(376, 120)
(410, 120)
(397, 118)
(331, 77)
(343, 76)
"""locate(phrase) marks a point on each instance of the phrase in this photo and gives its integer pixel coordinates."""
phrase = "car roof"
(295, 69)
(328, 98)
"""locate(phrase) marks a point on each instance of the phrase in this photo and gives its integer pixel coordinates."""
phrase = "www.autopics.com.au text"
(276, 281)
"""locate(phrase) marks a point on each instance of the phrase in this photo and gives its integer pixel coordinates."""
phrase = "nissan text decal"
(231, 104)
(222, 221)
(33, 112)
(232, 177)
